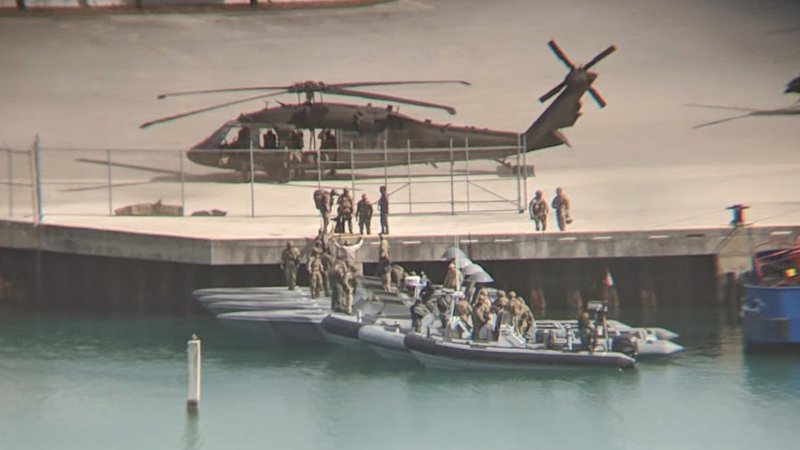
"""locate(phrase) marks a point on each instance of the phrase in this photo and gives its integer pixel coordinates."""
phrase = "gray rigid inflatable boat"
(437, 353)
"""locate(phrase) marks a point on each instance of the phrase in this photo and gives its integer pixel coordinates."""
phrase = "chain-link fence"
(42, 182)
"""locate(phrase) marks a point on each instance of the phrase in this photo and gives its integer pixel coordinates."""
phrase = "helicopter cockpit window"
(237, 137)
(269, 138)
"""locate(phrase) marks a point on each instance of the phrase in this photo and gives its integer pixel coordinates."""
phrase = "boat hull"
(290, 326)
(253, 290)
(233, 306)
(343, 330)
(771, 317)
(437, 353)
(386, 341)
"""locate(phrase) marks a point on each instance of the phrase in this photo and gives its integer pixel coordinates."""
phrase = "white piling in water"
(193, 351)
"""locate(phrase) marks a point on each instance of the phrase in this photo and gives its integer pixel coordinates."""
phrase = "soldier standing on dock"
(322, 200)
(383, 209)
(345, 212)
(364, 215)
(290, 261)
(538, 211)
(561, 208)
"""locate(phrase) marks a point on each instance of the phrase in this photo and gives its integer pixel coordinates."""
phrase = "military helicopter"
(271, 140)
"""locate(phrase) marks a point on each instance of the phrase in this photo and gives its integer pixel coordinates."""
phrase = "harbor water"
(80, 382)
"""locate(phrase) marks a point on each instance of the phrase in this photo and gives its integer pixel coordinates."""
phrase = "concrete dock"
(663, 232)
(66, 266)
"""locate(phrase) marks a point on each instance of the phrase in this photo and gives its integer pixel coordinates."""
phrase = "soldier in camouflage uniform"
(290, 262)
(345, 212)
(538, 211)
(521, 315)
(463, 310)
(561, 208)
(452, 279)
(364, 215)
(418, 312)
(322, 200)
(383, 210)
(315, 275)
(481, 315)
(347, 280)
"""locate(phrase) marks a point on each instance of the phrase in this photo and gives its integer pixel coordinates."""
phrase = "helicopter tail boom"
(565, 110)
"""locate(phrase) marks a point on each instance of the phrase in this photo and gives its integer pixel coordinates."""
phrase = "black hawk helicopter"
(271, 140)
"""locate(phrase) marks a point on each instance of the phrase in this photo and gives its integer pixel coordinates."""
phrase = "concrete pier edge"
(72, 267)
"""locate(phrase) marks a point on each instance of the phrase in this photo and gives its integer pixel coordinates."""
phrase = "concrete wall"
(57, 267)
(47, 281)
(731, 246)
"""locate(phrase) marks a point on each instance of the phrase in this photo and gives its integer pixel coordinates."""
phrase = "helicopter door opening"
(268, 139)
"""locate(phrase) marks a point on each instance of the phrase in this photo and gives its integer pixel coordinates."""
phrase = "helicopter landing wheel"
(244, 173)
(281, 174)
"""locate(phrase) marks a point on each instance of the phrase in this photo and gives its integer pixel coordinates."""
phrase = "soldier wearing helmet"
(538, 211)
(452, 279)
(560, 206)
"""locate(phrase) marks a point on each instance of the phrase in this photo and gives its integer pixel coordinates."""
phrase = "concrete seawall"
(65, 267)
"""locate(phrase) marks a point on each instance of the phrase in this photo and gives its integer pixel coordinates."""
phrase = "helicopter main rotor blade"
(390, 98)
(393, 83)
(309, 86)
(597, 97)
(553, 92)
(214, 91)
(727, 119)
(730, 108)
(208, 108)
(600, 56)
(560, 54)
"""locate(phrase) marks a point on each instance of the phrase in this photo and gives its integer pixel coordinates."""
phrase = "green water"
(120, 383)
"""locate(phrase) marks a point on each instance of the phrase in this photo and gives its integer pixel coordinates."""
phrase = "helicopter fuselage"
(365, 137)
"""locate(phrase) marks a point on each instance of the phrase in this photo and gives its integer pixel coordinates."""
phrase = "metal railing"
(51, 181)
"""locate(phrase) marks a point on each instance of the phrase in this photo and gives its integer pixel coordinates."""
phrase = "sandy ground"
(87, 83)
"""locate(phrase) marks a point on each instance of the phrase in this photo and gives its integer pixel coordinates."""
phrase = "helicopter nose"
(591, 76)
(196, 156)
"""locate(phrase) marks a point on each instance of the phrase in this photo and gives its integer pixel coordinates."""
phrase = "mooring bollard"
(193, 350)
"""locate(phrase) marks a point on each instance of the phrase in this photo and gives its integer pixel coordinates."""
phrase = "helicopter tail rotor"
(579, 75)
